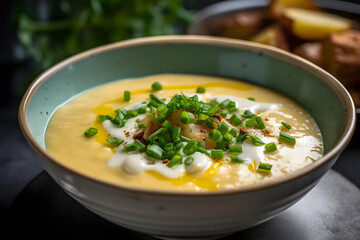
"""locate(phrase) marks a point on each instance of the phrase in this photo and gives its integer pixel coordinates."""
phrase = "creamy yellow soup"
(97, 158)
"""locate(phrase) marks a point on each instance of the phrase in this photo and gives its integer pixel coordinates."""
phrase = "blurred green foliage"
(78, 25)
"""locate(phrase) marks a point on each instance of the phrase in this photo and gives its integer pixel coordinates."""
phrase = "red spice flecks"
(218, 117)
(127, 134)
(165, 161)
(139, 136)
(267, 133)
(243, 130)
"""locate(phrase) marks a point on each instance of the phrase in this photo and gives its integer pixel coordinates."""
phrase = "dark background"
(18, 165)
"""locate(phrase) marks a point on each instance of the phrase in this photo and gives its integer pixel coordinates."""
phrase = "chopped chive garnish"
(251, 98)
(224, 103)
(248, 114)
(175, 160)
(126, 96)
(142, 125)
(235, 148)
(156, 86)
(286, 125)
(132, 113)
(187, 117)
(217, 153)
(142, 109)
(213, 110)
(114, 141)
(154, 134)
(236, 159)
(223, 128)
(227, 137)
(270, 147)
(242, 137)
(184, 139)
(251, 123)
(178, 146)
(202, 117)
(102, 118)
(137, 120)
(234, 132)
(264, 167)
(140, 147)
(130, 147)
(201, 144)
(189, 161)
(90, 132)
(214, 135)
(154, 151)
(176, 133)
(156, 99)
(287, 138)
(200, 90)
(256, 141)
(191, 147)
(235, 119)
(259, 122)
(167, 124)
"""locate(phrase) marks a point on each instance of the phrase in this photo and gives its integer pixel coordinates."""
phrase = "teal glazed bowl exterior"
(196, 215)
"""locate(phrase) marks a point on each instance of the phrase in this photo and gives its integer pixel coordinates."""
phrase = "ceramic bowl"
(189, 214)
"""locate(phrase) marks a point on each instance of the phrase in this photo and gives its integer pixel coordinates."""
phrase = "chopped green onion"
(256, 141)
(201, 144)
(167, 124)
(156, 86)
(202, 117)
(189, 161)
(248, 114)
(201, 149)
(251, 123)
(217, 153)
(235, 159)
(176, 133)
(154, 151)
(264, 167)
(102, 118)
(251, 98)
(175, 160)
(259, 122)
(154, 134)
(140, 147)
(114, 141)
(235, 120)
(90, 132)
(142, 125)
(287, 138)
(156, 99)
(161, 108)
(126, 96)
(227, 137)
(234, 132)
(142, 109)
(213, 110)
(242, 137)
(235, 148)
(178, 146)
(137, 120)
(286, 125)
(200, 90)
(224, 103)
(190, 148)
(130, 147)
(214, 135)
(169, 146)
(132, 113)
(184, 139)
(223, 128)
(212, 123)
(270, 147)
(187, 117)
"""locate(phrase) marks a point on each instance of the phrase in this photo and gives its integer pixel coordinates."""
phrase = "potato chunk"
(273, 36)
(313, 25)
(277, 7)
(342, 54)
(311, 51)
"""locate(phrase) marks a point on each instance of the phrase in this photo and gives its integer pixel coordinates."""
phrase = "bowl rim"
(203, 40)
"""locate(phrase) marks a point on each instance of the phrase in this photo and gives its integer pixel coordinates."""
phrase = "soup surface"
(181, 138)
